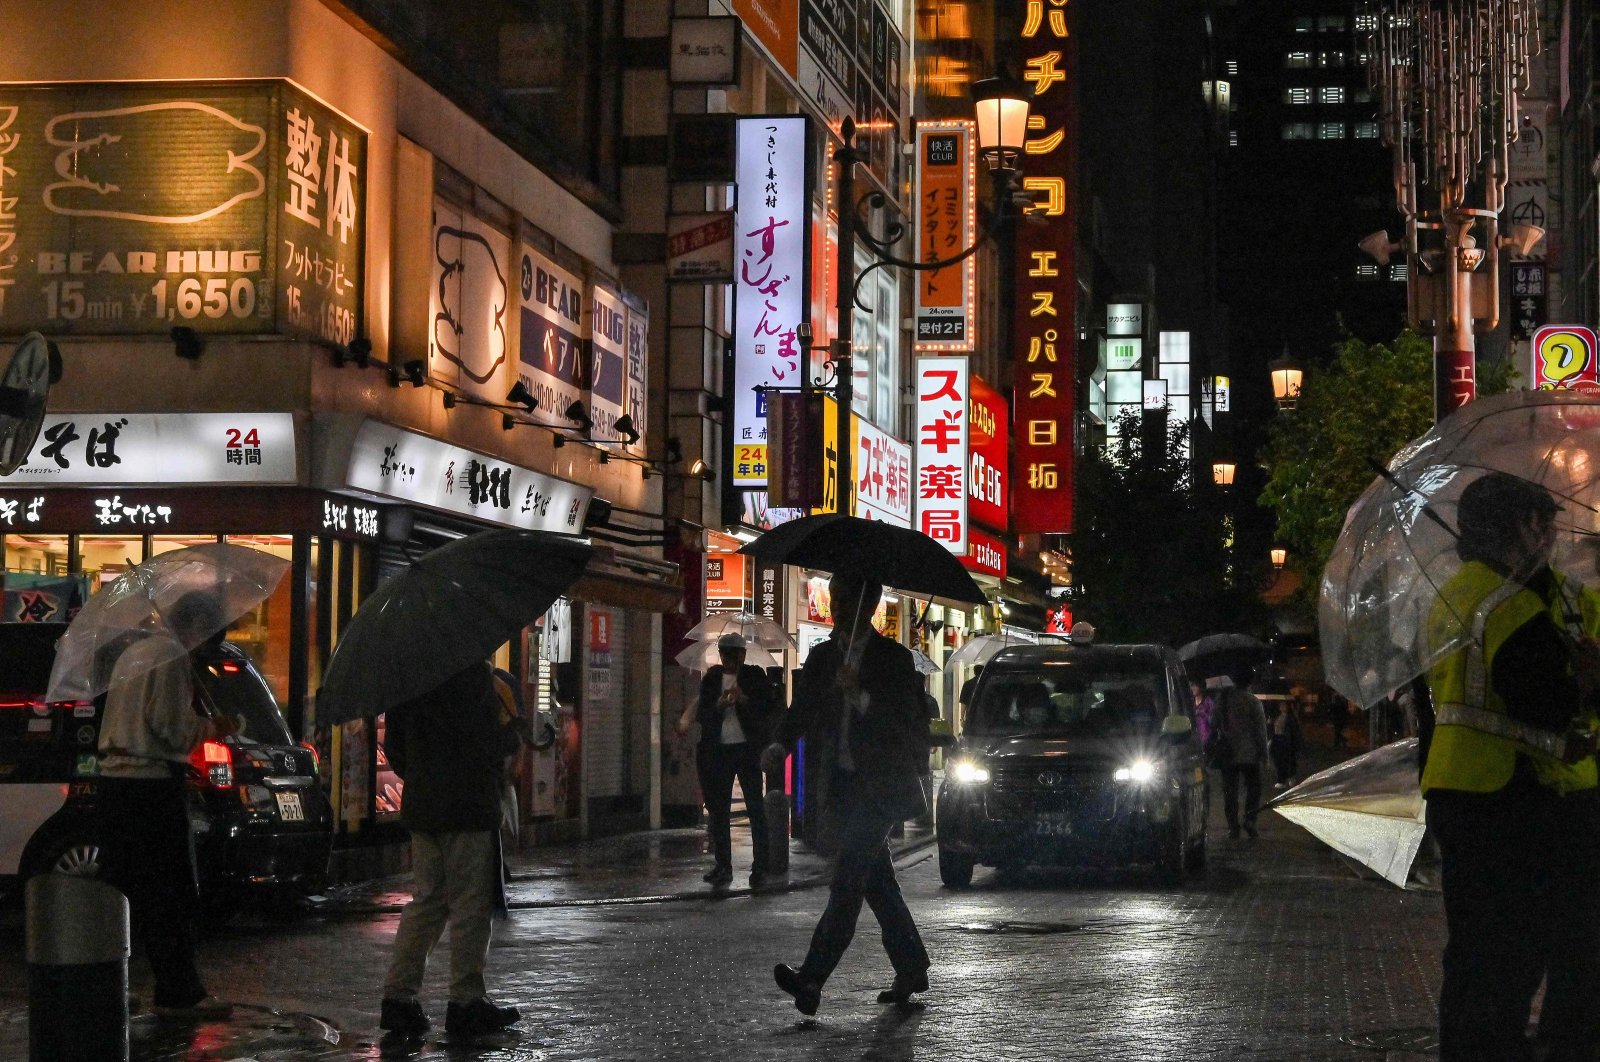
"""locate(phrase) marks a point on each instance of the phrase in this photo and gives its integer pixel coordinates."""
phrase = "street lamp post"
(1002, 119)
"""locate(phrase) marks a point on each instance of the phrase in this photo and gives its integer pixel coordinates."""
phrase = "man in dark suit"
(735, 710)
(858, 703)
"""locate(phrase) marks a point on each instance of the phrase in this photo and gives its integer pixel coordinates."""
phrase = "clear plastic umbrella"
(980, 649)
(1369, 808)
(756, 630)
(923, 662)
(1376, 615)
(134, 608)
(702, 655)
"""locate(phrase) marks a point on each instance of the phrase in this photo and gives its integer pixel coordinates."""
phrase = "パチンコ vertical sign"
(770, 263)
(941, 486)
(946, 168)
(1044, 367)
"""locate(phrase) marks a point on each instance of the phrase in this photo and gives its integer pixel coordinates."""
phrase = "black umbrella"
(1222, 654)
(456, 605)
(895, 556)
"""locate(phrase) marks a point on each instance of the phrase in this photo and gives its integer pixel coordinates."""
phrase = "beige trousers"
(455, 876)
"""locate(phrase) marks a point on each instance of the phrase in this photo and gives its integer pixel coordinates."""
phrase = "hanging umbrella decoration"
(454, 606)
(234, 579)
(1376, 609)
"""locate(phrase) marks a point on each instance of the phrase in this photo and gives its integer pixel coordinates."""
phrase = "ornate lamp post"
(1449, 75)
(1002, 118)
(1286, 377)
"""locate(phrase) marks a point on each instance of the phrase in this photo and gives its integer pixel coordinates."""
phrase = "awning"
(628, 582)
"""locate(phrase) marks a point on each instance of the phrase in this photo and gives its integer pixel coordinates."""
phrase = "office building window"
(1298, 61)
(1367, 271)
(1361, 95)
(1332, 60)
(1330, 94)
(1366, 130)
(1366, 23)
(1233, 138)
(1299, 95)
(1331, 23)
(1397, 272)
(1297, 130)
(1331, 131)
(1232, 67)
(1304, 24)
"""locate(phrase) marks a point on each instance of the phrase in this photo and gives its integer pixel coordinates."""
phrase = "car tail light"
(214, 761)
(316, 759)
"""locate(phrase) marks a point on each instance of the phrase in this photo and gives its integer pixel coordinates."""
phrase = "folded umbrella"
(1375, 611)
(455, 605)
(755, 630)
(235, 579)
(1369, 808)
(894, 556)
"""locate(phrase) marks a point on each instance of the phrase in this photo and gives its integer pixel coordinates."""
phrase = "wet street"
(1278, 951)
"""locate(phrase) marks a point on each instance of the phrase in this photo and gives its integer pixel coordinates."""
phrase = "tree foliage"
(1372, 400)
(1148, 556)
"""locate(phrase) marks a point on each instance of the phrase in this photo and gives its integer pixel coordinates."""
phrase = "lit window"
(1366, 130)
(1298, 96)
(1331, 60)
(1233, 138)
(1297, 130)
(1304, 24)
(1298, 60)
(1397, 271)
(1331, 131)
(1330, 94)
(1232, 67)
(1367, 271)
(1366, 23)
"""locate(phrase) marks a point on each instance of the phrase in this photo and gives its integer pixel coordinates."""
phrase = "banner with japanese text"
(550, 355)
(946, 225)
(771, 258)
(132, 208)
(985, 554)
(941, 485)
(1044, 370)
(882, 468)
(990, 441)
(636, 400)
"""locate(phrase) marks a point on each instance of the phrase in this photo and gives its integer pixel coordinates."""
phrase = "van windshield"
(1070, 700)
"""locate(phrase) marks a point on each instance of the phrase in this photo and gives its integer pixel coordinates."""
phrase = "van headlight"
(1138, 772)
(969, 772)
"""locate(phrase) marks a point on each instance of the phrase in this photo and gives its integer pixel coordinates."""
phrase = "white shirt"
(732, 732)
(150, 719)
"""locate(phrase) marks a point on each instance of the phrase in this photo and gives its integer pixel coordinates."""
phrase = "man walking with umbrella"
(1510, 779)
(858, 703)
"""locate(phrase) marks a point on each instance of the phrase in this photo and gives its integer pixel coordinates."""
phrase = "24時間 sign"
(946, 165)
(161, 449)
(770, 262)
(132, 208)
(941, 484)
(1044, 371)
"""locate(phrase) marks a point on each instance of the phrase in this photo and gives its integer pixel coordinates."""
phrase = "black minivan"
(1075, 754)
(262, 824)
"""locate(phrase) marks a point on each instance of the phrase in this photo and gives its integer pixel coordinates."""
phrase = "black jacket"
(449, 747)
(888, 742)
(756, 714)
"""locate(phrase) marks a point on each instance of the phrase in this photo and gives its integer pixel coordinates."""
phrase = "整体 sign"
(551, 355)
(638, 362)
(941, 482)
(1564, 357)
(1043, 365)
(136, 207)
(946, 167)
(161, 449)
(990, 466)
(770, 256)
(700, 247)
(403, 465)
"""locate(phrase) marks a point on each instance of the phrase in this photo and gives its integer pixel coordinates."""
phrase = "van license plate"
(289, 809)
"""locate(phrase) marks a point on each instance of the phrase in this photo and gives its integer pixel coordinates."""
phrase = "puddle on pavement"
(1418, 1038)
(1035, 929)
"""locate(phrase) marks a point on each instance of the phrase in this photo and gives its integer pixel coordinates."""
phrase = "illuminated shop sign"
(161, 449)
(941, 484)
(945, 300)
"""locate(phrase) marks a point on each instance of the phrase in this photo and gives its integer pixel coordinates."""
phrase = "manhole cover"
(1037, 929)
(1415, 1038)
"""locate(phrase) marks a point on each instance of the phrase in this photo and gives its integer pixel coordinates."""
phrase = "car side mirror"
(1177, 727)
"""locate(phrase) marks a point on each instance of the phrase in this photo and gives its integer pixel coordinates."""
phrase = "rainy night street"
(1278, 951)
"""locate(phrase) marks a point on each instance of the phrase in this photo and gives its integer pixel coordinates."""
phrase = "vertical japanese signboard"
(990, 443)
(946, 172)
(131, 208)
(882, 466)
(941, 483)
(1044, 358)
(770, 256)
(550, 356)
(638, 365)
(1529, 299)
(469, 300)
(607, 361)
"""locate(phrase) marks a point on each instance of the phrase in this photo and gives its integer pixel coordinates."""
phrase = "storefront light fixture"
(521, 396)
(624, 427)
(414, 372)
(579, 416)
(186, 343)
(1002, 105)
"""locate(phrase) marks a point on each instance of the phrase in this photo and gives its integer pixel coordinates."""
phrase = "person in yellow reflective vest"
(1511, 784)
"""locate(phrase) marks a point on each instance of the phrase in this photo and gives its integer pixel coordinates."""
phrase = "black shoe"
(904, 987)
(718, 875)
(404, 1016)
(759, 879)
(1250, 828)
(478, 1018)
(807, 994)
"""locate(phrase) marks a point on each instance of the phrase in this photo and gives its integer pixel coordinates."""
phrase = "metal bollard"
(77, 970)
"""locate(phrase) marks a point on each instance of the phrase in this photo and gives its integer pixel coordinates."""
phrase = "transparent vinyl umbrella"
(981, 649)
(703, 655)
(756, 630)
(923, 662)
(1376, 614)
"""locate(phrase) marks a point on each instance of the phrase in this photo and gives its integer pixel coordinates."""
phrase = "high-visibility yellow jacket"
(1475, 740)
